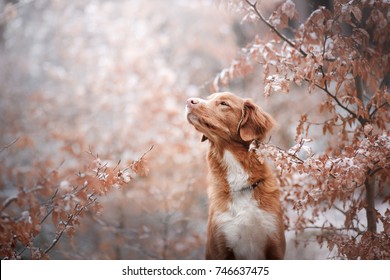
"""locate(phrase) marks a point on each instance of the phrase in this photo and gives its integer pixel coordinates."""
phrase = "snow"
(289, 8)
(64, 185)
(9, 199)
(126, 177)
(276, 21)
(26, 217)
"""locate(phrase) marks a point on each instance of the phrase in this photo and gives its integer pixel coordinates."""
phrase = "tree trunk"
(370, 204)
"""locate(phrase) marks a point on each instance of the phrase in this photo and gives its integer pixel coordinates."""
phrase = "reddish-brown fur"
(230, 124)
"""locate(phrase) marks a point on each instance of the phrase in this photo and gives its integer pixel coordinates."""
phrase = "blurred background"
(113, 77)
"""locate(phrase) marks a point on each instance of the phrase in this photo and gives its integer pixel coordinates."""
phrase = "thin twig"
(362, 120)
(283, 37)
(7, 202)
(376, 109)
(9, 145)
(43, 219)
(323, 123)
(52, 209)
(339, 209)
(66, 224)
(298, 159)
(329, 228)
(141, 158)
(116, 166)
(151, 148)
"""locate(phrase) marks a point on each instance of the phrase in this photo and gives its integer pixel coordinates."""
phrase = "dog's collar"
(250, 187)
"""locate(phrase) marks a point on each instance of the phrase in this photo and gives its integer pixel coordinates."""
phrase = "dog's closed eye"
(223, 103)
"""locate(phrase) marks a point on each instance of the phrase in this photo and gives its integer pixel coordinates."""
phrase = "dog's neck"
(237, 165)
(239, 149)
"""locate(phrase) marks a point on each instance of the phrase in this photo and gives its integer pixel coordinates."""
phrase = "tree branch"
(339, 209)
(330, 228)
(359, 87)
(9, 145)
(144, 154)
(362, 120)
(7, 202)
(281, 36)
(288, 41)
(327, 121)
(67, 223)
(52, 209)
(294, 156)
(376, 109)
(370, 207)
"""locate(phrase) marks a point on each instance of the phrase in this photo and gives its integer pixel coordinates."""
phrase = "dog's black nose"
(192, 101)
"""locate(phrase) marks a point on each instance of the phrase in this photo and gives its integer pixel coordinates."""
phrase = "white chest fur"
(246, 227)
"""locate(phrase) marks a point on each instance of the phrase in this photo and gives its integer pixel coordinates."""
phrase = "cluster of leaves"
(58, 201)
(348, 168)
(342, 55)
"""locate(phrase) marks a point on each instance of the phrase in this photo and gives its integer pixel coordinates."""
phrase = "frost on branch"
(338, 55)
(65, 198)
(283, 14)
(329, 182)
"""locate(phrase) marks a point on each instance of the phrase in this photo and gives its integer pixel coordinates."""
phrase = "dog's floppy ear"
(204, 138)
(254, 123)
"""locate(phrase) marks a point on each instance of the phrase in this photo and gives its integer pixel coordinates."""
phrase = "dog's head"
(225, 116)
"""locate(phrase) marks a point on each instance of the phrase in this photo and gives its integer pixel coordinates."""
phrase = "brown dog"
(245, 217)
